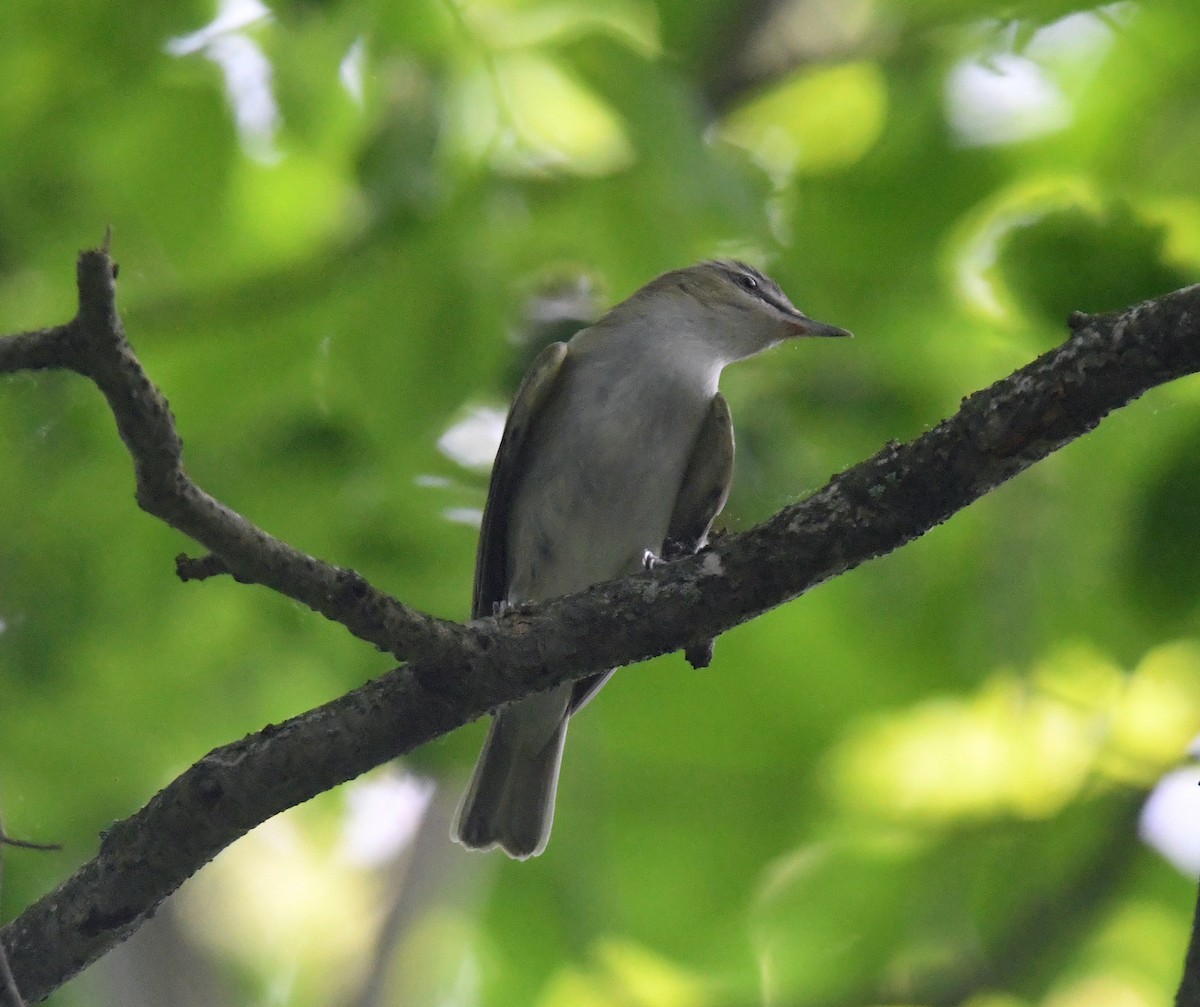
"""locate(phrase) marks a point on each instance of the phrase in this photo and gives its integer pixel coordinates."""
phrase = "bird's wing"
(705, 485)
(491, 561)
(702, 494)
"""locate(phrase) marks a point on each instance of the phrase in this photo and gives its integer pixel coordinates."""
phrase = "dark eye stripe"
(746, 277)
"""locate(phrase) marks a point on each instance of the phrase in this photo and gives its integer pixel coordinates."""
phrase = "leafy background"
(345, 228)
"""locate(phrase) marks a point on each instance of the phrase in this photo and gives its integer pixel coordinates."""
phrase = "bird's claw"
(672, 549)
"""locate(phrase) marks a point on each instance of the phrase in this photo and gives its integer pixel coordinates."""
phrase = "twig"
(189, 568)
(25, 844)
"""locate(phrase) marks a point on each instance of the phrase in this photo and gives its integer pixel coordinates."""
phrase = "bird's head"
(747, 310)
(710, 314)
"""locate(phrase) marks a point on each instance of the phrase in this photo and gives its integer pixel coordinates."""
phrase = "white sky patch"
(1003, 99)
(471, 516)
(384, 812)
(1084, 35)
(232, 15)
(1168, 819)
(351, 70)
(474, 440)
(247, 71)
(1006, 96)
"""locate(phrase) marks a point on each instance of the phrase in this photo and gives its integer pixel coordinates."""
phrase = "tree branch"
(10, 994)
(93, 344)
(457, 673)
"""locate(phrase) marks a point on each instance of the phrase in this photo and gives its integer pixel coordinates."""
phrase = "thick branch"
(10, 994)
(462, 672)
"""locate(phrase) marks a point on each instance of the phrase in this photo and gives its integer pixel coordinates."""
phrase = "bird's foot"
(672, 549)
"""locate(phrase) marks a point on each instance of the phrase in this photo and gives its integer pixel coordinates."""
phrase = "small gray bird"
(617, 445)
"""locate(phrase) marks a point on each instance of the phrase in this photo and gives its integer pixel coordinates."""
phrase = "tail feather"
(510, 801)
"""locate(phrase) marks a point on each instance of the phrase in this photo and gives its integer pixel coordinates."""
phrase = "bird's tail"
(510, 801)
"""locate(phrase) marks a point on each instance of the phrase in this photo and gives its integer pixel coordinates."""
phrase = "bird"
(617, 451)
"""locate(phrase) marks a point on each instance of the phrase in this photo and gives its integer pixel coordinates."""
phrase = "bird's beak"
(802, 325)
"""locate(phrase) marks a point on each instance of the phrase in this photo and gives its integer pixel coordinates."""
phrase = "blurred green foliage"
(345, 227)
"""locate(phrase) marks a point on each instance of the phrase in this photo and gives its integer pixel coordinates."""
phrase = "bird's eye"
(747, 282)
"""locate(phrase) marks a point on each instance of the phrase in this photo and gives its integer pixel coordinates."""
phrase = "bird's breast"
(601, 473)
